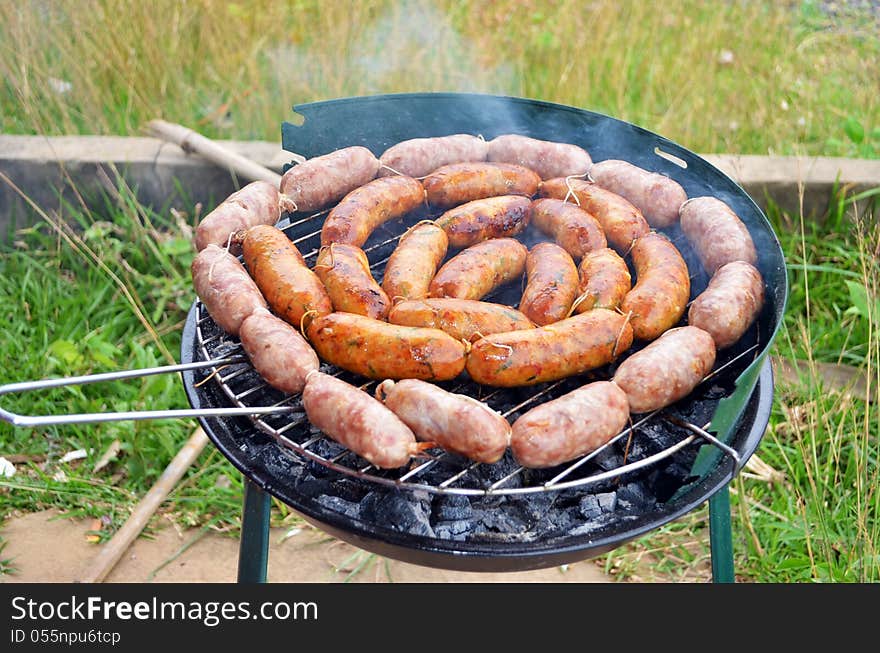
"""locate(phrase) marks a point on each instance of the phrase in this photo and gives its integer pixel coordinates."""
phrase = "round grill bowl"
(738, 404)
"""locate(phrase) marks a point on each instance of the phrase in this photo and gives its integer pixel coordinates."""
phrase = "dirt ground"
(45, 548)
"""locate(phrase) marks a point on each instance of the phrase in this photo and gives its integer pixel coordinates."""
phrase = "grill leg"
(720, 537)
(253, 552)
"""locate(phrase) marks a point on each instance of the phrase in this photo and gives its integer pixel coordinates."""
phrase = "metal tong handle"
(86, 418)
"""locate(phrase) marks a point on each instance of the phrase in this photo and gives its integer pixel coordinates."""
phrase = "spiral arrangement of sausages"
(426, 322)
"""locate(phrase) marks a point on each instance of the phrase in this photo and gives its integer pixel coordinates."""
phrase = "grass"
(771, 77)
(777, 78)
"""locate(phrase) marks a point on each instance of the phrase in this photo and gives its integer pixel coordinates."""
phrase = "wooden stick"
(112, 551)
(192, 141)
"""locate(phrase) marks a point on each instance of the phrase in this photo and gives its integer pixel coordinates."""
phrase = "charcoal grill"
(663, 465)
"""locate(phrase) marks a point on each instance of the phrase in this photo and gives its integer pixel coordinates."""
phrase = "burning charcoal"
(454, 530)
(589, 506)
(632, 496)
(607, 501)
(452, 506)
(347, 508)
(608, 459)
(535, 506)
(406, 512)
(314, 488)
(504, 521)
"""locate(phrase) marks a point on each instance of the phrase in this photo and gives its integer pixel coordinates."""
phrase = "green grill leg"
(720, 537)
(253, 552)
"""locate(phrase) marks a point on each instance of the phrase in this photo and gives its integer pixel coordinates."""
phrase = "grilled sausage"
(730, 303)
(570, 426)
(547, 158)
(666, 370)
(379, 350)
(277, 351)
(362, 210)
(463, 319)
(657, 196)
(458, 183)
(414, 262)
(418, 157)
(662, 290)
(225, 288)
(572, 346)
(491, 217)
(345, 272)
(620, 220)
(455, 422)
(604, 281)
(323, 180)
(476, 271)
(552, 284)
(575, 230)
(277, 266)
(358, 421)
(717, 233)
(257, 203)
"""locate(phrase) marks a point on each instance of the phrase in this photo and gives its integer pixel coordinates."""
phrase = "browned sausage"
(458, 183)
(657, 196)
(379, 350)
(419, 156)
(323, 180)
(620, 220)
(455, 422)
(570, 426)
(552, 284)
(225, 288)
(414, 262)
(345, 273)
(547, 158)
(572, 346)
(463, 319)
(476, 271)
(288, 285)
(662, 290)
(729, 305)
(356, 216)
(717, 233)
(257, 203)
(604, 281)
(491, 217)
(666, 370)
(358, 421)
(570, 226)
(277, 351)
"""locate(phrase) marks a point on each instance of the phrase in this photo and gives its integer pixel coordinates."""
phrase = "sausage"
(458, 183)
(257, 203)
(657, 196)
(418, 157)
(569, 426)
(575, 230)
(572, 346)
(730, 303)
(716, 233)
(491, 217)
(666, 370)
(277, 351)
(379, 350)
(604, 281)
(455, 422)
(358, 421)
(414, 262)
(345, 272)
(476, 271)
(225, 288)
(463, 319)
(323, 180)
(620, 220)
(547, 158)
(662, 290)
(362, 210)
(277, 266)
(552, 284)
